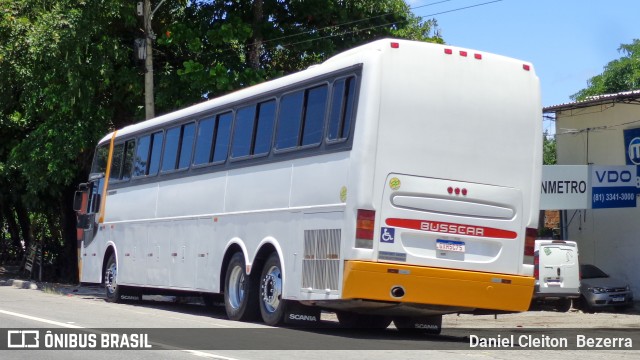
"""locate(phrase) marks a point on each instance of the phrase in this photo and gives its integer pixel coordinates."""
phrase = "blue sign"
(613, 197)
(614, 186)
(387, 235)
(632, 146)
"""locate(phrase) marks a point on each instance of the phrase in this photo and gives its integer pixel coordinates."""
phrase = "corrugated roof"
(625, 96)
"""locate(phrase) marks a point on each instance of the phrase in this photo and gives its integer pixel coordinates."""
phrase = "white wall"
(608, 238)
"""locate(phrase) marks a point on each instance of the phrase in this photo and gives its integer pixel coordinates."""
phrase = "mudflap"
(421, 324)
(301, 315)
(129, 294)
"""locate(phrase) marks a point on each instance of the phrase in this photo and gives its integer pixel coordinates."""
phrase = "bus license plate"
(450, 245)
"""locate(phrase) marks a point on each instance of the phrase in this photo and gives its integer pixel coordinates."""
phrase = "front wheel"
(240, 291)
(111, 279)
(272, 305)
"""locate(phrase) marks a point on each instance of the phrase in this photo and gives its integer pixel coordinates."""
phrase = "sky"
(568, 41)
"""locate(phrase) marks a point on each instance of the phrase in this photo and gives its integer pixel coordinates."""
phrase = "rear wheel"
(272, 305)
(111, 279)
(240, 291)
(353, 320)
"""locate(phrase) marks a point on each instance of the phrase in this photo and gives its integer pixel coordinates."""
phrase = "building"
(598, 131)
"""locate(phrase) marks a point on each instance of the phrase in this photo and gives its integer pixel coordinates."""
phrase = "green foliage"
(229, 45)
(619, 75)
(549, 150)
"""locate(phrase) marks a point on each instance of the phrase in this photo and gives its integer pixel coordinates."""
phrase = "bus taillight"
(536, 265)
(530, 241)
(364, 228)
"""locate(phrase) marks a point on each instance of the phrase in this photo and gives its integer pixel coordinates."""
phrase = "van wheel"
(272, 304)
(111, 280)
(240, 291)
(353, 320)
(563, 305)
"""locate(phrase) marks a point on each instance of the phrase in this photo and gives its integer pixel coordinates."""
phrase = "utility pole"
(149, 101)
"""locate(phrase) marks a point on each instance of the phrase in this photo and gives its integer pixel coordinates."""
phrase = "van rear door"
(558, 268)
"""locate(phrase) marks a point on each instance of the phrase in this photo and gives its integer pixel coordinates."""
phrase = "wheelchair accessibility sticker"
(387, 235)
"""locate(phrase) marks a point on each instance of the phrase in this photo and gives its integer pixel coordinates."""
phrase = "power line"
(346, 23)
(263, 42)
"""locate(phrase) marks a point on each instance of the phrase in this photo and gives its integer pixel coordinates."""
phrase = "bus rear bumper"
(436, 286)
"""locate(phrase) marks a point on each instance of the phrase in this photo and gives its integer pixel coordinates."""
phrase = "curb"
(62, 289)
(20, 284)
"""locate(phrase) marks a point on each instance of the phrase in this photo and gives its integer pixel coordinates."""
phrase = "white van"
(557, 272)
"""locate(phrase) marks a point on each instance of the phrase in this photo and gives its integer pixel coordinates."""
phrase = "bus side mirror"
(77, 200)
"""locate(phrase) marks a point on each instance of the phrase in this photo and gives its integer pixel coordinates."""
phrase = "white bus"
(395, 181)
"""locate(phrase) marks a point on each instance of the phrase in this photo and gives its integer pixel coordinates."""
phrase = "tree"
(549, 155)
(619, 75)
(69, 77)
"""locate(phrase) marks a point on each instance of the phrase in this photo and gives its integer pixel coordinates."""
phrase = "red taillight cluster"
(365, 222)
(536, 266)
(451, 190)
(463, 53)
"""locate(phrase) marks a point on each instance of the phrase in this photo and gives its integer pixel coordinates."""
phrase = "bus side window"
(341, 114)
(156, 151)
(186, 145)
(171, 149)
(129, 149)
(289, 120)
(222, 137)
(243, 131)
(264, 128)
(142, 156)
(116, 162)
(253, 129)
(100, 160)
(204, 141)
(315, 109)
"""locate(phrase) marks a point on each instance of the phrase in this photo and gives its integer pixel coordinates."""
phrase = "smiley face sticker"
(394, 183)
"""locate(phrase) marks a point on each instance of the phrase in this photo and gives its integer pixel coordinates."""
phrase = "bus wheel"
(353, 320)
(111, 279)
(271, 303)
(240, 295)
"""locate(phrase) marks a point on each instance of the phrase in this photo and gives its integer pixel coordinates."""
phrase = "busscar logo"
(23, 339)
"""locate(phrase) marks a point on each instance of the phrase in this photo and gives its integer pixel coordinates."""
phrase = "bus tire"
(111, 280)
(240, 291)
(351, 320)
(272, 305)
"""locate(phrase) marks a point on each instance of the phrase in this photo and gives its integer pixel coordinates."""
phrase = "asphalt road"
(186, 331)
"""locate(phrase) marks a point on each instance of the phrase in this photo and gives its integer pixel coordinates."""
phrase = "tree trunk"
(14, 231)
(25, 224)
(256, 40)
